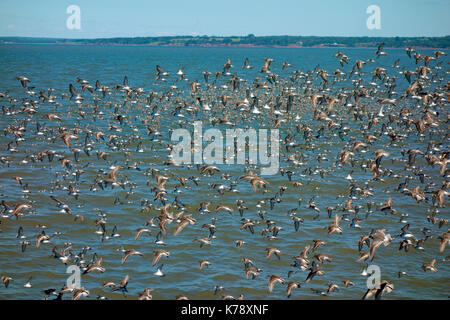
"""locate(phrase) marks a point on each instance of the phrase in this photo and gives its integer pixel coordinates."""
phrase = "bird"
(6, 280)
(129, 253)
(378, 237)
(204, 263)
(122, 287)
(430, 266)
(140, 231)
(384, 288)
(444, 240)
(275, 251)
(81, 292)
(334, 226)
(313, 271)
(274, 279)
(348, 283)
(291, 286)
(159, 254)
(146, 294)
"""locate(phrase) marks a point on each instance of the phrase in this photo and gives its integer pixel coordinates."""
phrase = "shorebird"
(444, 240)
(332, 287)
(291, 286)
(28, 283)
(275, 251)
(6, 280)
(146, 294)
(78, 293)
(334, 226)
(159, 272)
(158, 254)
(430, 266)
(183, 222)
(141, 231)
(122, 287)
(379, 237)
(23, 81)
(129, 253)
(204, 241)
(348, 283)
(384, 288)
(42, 238)
(204, 263)
(252, 271)
(313, 271)
(95, 266)
(274, 279)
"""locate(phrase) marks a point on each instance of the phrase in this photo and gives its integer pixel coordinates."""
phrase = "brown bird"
(357, 145)
(225, 208)
(291, 286)
(52, 116)
(40, 238)
(258, 183)
(251, 271)
(348, 283)
(379, 154)
(159, 254)
(345, 155)
(204, 263)
(210, 169)
(334, 226)
(430, 266)
(378, 238)
(78, 293)
(146, 294)
(66, 136)
(129, 253)
(322, 258)
(444, 240)
(388, 205)
(6, 280)
(18, 179)
(19, 207)
(240, 243)
(184, 221)
(385, 287)
(141, 231)
(95, 266)
(415, 193)
(112, 175)
(318, 243)
(266, 66)
(275, 251)
(274, 279)
(363, 256)
(440, 195)
(313, 271)
(332, 287)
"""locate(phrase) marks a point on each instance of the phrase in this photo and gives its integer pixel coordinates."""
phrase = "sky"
(140, 18)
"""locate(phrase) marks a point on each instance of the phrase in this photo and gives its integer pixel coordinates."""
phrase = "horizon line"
(218, 36)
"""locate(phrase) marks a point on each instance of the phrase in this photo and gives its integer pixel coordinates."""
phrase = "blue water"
(56, 66)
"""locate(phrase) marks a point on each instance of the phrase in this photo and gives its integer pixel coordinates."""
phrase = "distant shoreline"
(213, 45)
(249, 41)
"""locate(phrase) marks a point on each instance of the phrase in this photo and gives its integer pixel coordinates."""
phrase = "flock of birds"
(99, 140)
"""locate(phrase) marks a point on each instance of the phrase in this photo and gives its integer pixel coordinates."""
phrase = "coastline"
(208, 45)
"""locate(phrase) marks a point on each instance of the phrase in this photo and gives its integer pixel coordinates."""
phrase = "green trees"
(251, 39)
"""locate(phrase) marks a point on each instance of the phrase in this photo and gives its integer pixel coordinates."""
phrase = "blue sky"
(132, 18)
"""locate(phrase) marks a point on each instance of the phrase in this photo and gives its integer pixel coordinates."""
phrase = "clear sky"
(133, 18)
